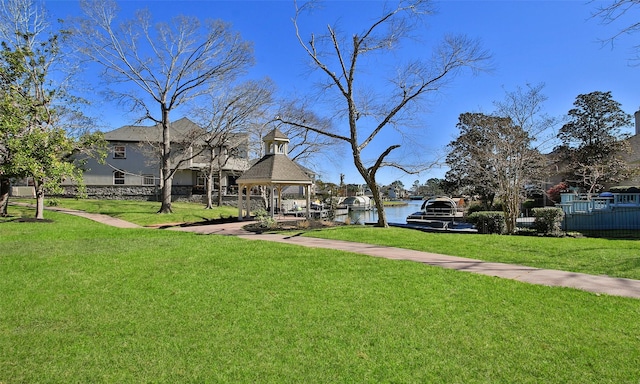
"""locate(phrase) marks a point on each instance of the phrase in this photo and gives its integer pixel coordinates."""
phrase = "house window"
(118, 177)
(119, 152)
(148, 180)
(201, 180)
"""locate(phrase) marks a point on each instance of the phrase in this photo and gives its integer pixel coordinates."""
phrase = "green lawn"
(82, 302)
(619, 258)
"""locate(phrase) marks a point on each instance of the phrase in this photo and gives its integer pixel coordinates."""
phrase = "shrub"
(498, 206)
(475, 207)
(488, 222)
(265, 219)
(548, 221)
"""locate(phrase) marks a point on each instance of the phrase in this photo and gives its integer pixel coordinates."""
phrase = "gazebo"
(275, 170)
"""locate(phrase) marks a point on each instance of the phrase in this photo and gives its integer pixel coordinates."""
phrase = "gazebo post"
(308, 193)
(248, 213)
(280, 199)
(273, 201)
(240, 216)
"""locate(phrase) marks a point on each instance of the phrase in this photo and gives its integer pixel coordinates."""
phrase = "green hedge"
(488, 222)
(548, 221)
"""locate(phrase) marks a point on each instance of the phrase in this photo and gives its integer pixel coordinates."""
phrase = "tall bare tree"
(368, 112)
(306, 146)
(227, 120)
(525, 107)
(619, 11)
(158, 67)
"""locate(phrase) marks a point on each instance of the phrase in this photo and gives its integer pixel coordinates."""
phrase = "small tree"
(554, 192)
(35, 104)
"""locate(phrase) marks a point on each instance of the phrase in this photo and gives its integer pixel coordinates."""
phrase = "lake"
(394, 214)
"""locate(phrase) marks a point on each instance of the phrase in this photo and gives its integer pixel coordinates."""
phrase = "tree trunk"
(377, 199)
(220, 187)
(370, 179)
(209, 189)
(166, 163)
(5, 186)
(39, 187)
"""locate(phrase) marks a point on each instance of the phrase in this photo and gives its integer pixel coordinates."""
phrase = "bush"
(475, 207)
(548, 221)
(488, 222)
(265, 219)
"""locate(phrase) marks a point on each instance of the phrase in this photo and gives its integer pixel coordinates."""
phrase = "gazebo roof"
(275, 169)
(276, 134)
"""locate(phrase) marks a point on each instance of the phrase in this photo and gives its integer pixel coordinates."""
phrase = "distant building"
(133, 167)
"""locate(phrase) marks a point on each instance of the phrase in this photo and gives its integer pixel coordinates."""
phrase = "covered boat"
(358, 203)
(438, 211)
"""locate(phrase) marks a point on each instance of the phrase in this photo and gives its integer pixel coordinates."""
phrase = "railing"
(586, 204)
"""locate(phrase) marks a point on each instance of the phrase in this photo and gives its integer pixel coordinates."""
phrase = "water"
(394, 214)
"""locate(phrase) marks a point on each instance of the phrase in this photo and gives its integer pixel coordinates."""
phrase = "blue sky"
(554, 42)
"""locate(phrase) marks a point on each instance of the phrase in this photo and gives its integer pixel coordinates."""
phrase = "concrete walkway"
(591, 283)
(104, 219)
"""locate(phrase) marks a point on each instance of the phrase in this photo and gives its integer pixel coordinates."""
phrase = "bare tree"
(525, 107)
(496, 155)
(305, 145)
(367, 112)
(167, 65)
(227, 118)
(610, 12)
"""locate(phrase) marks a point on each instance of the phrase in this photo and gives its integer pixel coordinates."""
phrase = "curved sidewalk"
(591, 283)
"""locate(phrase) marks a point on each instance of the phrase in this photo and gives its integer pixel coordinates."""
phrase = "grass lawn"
(618, 258)
(82, 302)
(144, 212)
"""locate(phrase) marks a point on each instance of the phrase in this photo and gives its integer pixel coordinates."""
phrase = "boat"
(437, 212)
(357, 203)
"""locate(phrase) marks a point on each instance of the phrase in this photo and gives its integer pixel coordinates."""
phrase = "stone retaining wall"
(152, 193)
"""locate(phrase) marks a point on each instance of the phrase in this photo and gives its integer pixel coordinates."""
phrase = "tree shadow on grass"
(14, 219)
(205, 221)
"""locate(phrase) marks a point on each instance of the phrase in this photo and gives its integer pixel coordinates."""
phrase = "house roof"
(275, 169)
(181, 130)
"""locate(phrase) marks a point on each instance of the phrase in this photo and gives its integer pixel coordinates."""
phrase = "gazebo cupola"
(275, 170)
(276, 143)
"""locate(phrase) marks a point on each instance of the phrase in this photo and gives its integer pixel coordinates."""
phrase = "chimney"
(637, 116)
